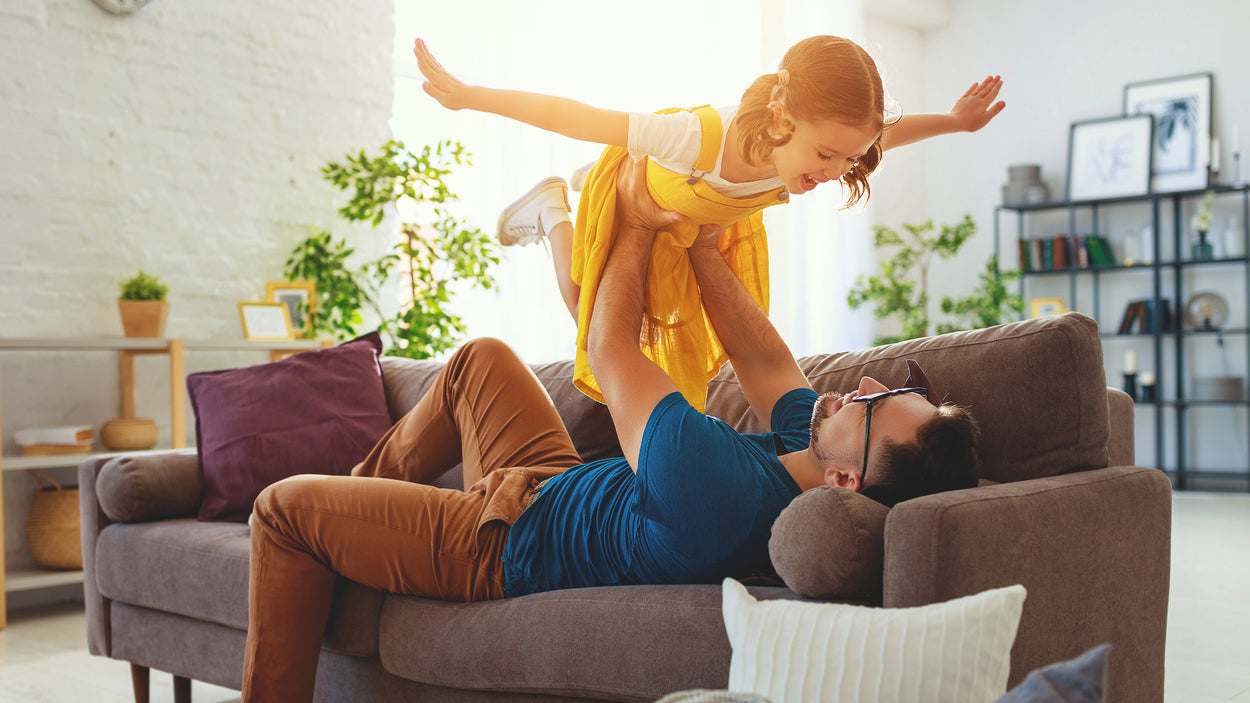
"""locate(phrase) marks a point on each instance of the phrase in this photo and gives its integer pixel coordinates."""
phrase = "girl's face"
(819, 152)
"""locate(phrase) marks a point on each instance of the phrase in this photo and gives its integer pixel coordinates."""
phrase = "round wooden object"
(127, 433)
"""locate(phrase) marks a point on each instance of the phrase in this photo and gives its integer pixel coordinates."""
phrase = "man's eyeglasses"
(869, 400)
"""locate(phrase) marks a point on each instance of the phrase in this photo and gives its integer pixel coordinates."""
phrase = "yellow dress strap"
(713, 132)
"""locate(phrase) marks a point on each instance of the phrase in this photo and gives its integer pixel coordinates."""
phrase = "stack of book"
(1063, 251)
(45, 441)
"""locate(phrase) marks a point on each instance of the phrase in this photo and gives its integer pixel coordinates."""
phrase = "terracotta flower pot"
(143, 318)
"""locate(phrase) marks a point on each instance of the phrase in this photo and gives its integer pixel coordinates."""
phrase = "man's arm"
(765, 366)
(554, 114)
(974, 109)
(631, 383)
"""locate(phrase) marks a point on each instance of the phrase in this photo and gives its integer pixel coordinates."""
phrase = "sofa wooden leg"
(182, 689)
(139, 679)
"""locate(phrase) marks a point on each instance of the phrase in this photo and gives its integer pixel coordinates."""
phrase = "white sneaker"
(578, 179)
(520, 222)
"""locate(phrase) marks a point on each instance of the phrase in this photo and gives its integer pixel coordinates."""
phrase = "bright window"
(638, 56)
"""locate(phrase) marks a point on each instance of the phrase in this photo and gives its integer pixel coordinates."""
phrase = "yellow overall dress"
(676, 332)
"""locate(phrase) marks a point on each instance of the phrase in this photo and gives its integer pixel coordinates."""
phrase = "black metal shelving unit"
(1175, 403)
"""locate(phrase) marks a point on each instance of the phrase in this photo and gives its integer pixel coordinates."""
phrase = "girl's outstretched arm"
(974, 109)
(554, 114)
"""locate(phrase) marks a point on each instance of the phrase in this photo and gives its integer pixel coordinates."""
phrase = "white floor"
(43, 655)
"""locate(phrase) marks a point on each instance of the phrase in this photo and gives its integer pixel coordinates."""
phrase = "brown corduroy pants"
(486, 409)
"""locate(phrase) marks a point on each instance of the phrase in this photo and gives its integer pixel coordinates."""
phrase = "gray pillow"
(1079, 680)
(830, 543)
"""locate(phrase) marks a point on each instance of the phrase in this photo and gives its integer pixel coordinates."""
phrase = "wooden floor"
(43, 654)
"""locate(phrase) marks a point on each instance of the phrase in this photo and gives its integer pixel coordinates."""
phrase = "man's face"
(838, 425)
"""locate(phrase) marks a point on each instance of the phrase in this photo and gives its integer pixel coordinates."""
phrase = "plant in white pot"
(143, 306)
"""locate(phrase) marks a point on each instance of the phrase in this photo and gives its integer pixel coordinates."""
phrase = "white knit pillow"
(795, 652)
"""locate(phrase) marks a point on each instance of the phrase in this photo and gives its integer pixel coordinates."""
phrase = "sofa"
(1060, 509)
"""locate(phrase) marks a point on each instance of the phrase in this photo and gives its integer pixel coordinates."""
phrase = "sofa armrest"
(1092, 549)
(130, 488)
(144, 487)
(1121, 450)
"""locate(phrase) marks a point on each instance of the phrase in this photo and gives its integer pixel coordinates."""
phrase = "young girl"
(820, 118)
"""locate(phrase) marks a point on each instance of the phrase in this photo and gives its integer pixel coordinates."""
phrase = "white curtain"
(654, 54)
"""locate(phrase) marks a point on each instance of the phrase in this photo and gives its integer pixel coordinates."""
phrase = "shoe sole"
(543, 185)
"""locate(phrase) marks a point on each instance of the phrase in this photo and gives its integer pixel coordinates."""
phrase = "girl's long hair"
(823, 78)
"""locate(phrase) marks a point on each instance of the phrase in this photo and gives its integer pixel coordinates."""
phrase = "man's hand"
(635, 209)
(976, 107)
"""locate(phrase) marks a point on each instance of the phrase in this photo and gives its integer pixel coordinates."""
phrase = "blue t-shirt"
(700, 508)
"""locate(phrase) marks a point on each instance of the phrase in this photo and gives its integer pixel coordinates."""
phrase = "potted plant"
(436, 254)
(902, 287)
(143, 306)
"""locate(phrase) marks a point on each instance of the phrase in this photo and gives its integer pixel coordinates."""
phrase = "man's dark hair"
(943, 458)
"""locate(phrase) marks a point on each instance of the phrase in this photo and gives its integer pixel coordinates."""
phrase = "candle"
(1236, 139)
(1130, 361)
(1215, 155)
(1147, 378)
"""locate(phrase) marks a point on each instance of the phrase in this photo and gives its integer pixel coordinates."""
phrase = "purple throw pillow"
(317, 412)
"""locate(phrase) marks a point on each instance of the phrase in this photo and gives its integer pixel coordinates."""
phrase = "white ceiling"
(921, 15)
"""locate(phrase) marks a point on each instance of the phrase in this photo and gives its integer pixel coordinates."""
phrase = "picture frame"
(1046, 307)
(265, 321)
(1181, 148)
(300, 298)
(1110, 157)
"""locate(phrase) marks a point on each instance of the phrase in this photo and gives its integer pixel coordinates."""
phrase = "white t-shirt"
(673, 141)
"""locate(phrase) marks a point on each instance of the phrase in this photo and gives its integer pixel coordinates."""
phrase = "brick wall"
(186, 139)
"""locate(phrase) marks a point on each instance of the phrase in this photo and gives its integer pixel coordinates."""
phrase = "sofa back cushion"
(1036, 387)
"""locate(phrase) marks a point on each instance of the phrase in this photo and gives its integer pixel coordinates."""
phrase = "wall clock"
(122, 7)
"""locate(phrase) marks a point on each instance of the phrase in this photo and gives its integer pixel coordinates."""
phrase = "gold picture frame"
(265, 322)
(300, 298)
(1046, 307)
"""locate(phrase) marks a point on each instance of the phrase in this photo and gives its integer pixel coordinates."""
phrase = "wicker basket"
(52, 528)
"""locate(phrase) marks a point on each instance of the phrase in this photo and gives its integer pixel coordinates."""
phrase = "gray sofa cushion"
(200, 570)
(555, 642)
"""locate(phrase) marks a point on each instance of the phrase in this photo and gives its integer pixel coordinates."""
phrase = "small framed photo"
(300, 298)
(265, 321)
(1045, 307)
(1110, 158)
(1181, 149)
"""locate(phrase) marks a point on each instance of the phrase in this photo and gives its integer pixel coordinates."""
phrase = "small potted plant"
(143, 306)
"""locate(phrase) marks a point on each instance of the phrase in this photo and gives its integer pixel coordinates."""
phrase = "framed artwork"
(1045, 307)
(1110, 157)
(1181, 107)
(265, 321)
(300, 298)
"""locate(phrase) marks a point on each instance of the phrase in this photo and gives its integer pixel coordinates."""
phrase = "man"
(692, 501)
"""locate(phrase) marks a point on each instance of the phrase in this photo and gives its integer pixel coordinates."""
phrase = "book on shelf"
(65, 434)
(1139, 316)
(1053, 253)
(55, 449)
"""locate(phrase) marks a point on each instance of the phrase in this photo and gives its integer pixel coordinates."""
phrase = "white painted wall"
(186, 139)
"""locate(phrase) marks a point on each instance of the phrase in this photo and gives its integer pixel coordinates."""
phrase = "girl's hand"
(976, 107)
(448, 90)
